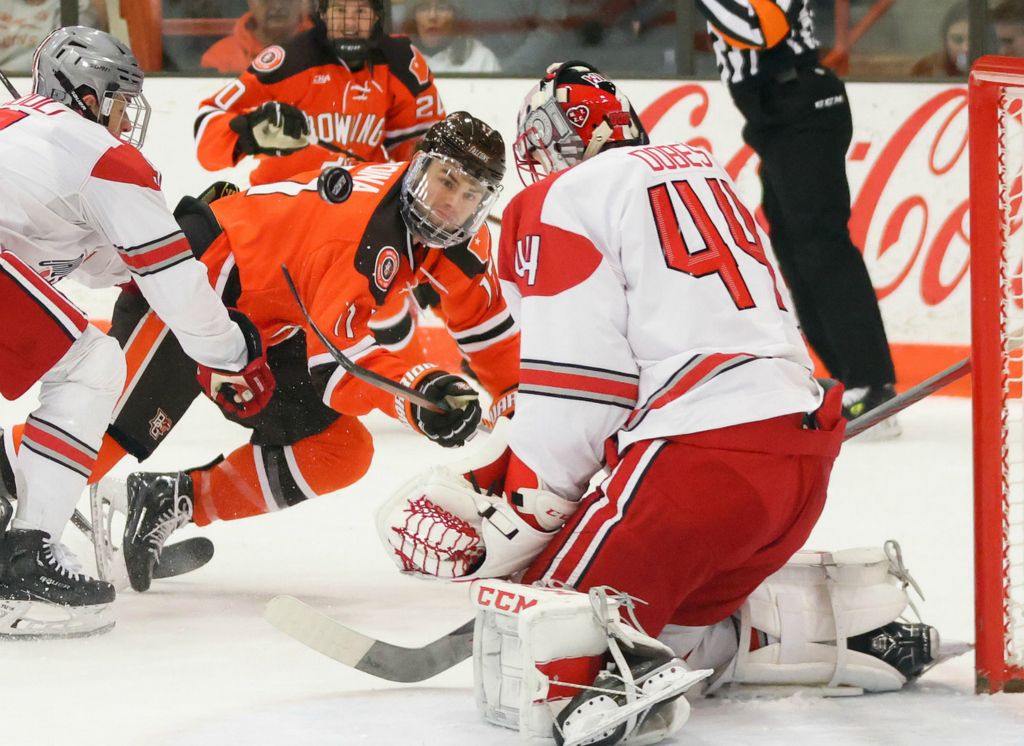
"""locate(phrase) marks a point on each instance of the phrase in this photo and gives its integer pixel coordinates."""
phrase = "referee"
(798, 122)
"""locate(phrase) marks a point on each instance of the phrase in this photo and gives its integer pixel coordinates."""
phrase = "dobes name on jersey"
(347, 128)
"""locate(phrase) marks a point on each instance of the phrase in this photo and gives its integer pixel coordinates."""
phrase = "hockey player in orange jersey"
(402, 224)
(341, 88)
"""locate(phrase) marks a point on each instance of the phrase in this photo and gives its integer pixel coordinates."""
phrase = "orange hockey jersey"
(377, 113)
(353, 264)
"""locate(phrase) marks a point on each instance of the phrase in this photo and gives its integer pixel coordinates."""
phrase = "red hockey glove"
(247, 391)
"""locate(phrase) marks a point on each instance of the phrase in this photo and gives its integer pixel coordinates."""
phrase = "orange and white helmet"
(572, 114)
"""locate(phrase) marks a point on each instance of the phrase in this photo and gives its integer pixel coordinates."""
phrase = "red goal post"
(996, 140)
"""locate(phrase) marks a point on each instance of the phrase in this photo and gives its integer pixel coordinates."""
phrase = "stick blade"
(318, 631)
(183, 557)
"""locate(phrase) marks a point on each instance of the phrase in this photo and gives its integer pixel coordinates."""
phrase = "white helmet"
(75, 60)
(570, 115)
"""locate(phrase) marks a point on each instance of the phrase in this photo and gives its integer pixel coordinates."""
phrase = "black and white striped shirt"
(735, 20)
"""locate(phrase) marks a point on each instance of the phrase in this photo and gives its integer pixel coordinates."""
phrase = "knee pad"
(97, 362)
(809, 609)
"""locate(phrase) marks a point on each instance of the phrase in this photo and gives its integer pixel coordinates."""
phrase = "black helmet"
(461, 136)
(352, 50)
(460, 154)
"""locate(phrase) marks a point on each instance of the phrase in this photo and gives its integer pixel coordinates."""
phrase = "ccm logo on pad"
(503, 600)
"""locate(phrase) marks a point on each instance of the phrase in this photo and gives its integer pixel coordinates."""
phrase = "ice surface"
(192, 662)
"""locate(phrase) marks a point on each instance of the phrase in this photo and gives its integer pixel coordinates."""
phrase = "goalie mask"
(352, 28)
(76, 61)
(453, 181)
(571, 115)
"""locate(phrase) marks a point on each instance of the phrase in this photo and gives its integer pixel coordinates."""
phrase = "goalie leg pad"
(539, 650)
(809, 609)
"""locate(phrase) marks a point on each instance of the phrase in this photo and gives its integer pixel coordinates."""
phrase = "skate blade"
(39, 620)
(104, 505)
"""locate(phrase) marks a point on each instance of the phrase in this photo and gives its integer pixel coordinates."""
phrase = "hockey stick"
(8, 85)
(912, 395)
(381, 659)
(374, 379)
(927, 387)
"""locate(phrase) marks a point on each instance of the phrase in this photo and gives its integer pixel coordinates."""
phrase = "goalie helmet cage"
(996, 141)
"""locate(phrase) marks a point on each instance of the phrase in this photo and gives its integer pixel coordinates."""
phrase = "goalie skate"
(602, 714)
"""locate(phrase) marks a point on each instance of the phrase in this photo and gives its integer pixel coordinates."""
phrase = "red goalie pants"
(692, 524)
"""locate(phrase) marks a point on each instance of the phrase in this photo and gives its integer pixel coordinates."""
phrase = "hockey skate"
(601, 715)
(158, 504)
(909, 648)
(44, 591)
(861, 400)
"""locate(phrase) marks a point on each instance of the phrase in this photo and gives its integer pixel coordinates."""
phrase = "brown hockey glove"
(272, 129)
(245, 392)
(453, 427)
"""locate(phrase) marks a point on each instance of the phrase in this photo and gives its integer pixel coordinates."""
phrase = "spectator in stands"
(1008, 20)
(435, 28)
(951, 60)
(266, 22)
(25, 23)
(524, 34)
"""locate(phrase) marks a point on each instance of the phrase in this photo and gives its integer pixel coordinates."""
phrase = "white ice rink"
(192, 661)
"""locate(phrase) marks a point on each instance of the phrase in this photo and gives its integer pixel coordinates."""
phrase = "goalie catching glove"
(247, 391)
(449, 428)
(441, 524)
(272, 129)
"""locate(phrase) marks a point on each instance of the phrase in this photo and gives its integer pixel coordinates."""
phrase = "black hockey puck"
(334, 184)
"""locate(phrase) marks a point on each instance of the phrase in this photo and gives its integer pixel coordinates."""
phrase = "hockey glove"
(247, 391)
(272, 129)
(451, 428)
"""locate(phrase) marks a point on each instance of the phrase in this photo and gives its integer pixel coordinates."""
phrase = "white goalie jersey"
(74, 199)
(650, 306)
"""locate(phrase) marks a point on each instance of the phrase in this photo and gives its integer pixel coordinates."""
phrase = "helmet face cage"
(352, 48)
(571, 115)
(442, 202)
(74, 61)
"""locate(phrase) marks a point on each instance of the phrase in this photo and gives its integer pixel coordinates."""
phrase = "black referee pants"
(800, 126)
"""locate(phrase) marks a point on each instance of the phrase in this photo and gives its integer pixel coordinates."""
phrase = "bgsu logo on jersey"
(578, 115)
(268, 60)
(160, 425)
(386, 267)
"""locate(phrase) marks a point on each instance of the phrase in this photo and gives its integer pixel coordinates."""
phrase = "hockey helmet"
(341, 22)
(453, 180)
(572, 114)
(75, 61)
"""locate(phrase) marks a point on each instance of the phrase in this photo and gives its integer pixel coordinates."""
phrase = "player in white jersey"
(78, 198)
(658, 342)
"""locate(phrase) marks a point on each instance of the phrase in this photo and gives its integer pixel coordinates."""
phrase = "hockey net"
(996, 95)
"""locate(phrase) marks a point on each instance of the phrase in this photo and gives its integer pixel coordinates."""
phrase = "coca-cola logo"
(908, 179)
